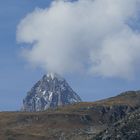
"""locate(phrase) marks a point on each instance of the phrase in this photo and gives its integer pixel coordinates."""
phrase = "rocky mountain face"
(115, 118)
(50, 92)
(127, 128)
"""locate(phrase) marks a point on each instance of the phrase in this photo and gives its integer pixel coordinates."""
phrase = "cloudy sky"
(94, 44)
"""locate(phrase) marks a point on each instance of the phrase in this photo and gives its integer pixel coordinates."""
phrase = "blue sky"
(17, 77)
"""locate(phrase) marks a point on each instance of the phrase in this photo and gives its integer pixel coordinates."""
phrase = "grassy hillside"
(82, 121)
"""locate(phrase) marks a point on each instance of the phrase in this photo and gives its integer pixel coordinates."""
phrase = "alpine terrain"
(50, 92)
(115, 118)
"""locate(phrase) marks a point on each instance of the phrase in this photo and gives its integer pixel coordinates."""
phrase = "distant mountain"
(50, 92)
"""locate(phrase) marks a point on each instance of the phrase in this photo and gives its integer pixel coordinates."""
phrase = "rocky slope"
(50, 92)
(126, 129)
(107, 119)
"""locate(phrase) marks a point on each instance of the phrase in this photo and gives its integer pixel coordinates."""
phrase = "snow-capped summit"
(53, 76)
(50, 92)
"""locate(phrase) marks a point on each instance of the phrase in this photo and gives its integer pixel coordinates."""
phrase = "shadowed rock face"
(50, 92)
(127, 128)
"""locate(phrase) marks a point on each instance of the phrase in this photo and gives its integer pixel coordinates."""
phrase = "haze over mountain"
(90, 37)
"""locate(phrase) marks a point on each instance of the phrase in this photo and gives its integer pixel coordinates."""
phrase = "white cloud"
(86, 35)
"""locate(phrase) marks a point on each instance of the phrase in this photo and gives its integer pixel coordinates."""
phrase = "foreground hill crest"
(115, 118)
(49, 92)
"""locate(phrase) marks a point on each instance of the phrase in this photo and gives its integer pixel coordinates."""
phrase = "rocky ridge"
(49, 92)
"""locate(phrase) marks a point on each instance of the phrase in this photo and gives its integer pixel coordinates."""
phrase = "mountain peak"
(49, 92)
(53, 76)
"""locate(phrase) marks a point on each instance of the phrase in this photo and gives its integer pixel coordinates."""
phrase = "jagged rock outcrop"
(50, 92)
(127, 128)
